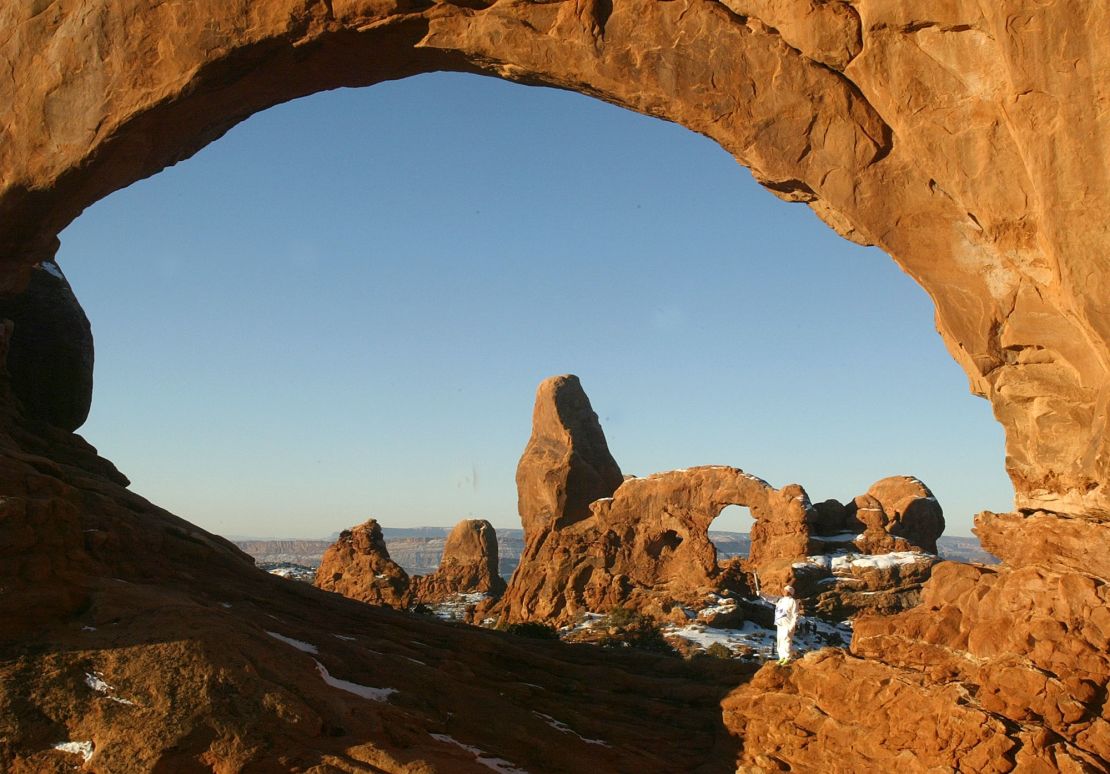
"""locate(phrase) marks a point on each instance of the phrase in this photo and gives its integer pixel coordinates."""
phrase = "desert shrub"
(640, 632)
(718, 650)
(533, 629)
(621, 617)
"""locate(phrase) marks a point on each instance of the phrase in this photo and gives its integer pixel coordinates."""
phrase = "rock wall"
(967, 141)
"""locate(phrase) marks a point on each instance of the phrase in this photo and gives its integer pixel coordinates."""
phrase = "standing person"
(786, 618)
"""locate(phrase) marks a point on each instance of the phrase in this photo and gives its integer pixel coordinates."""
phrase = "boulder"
(358, 566)
(50, 356)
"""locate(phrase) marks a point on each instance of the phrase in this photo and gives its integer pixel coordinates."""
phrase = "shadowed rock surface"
(51, 349)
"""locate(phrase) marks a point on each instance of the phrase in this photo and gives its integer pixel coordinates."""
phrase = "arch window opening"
(342, 308)
(731, 531)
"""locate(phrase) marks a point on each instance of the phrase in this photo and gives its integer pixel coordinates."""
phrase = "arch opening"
(543, 223)
(730, 532)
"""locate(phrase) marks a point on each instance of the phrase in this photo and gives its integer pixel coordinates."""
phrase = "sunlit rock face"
(966, 140)
(645, 544)
(468, 566)
(358, 566)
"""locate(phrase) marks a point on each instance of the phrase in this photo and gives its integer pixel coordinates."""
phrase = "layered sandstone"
(998, 669)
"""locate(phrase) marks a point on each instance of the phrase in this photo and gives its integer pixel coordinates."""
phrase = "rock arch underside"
(967, 140)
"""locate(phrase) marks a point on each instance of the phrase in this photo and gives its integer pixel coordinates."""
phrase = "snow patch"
(305, 647)
(841, 537)
(559, 725)
(84, 749)
(52, 269)
(499, 765)
(343, 637)
(365, 691)
(94, 681)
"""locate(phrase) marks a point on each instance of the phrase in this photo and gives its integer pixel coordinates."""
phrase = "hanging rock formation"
(358, 566)
(51, 350)
(469, 565)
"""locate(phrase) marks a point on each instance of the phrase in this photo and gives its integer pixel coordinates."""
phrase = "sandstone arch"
(969, 144)
(892, 126)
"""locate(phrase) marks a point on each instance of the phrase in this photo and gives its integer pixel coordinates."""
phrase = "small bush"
(533, 629)
(717, 650)
(621, 617)
(639, 632)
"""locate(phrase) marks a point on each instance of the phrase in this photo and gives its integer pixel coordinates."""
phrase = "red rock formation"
(965, 139)
(162, 648)
(566, 464)
(469, 565)
(998, 669)
(358, 566)
(647, 545)
(897, 513)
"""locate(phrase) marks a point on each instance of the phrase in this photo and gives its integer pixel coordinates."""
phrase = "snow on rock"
(365, 691)
(845, 562)
(343, 637)
(95, 681)
(753, 640)
(84, 749)
(454, 608)
(305, 647)
(558, 725)
(52, 269)
(496, 764)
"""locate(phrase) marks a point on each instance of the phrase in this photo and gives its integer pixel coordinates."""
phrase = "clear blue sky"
(342, 309)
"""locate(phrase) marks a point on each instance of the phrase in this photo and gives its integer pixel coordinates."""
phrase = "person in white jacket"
(786, 619)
